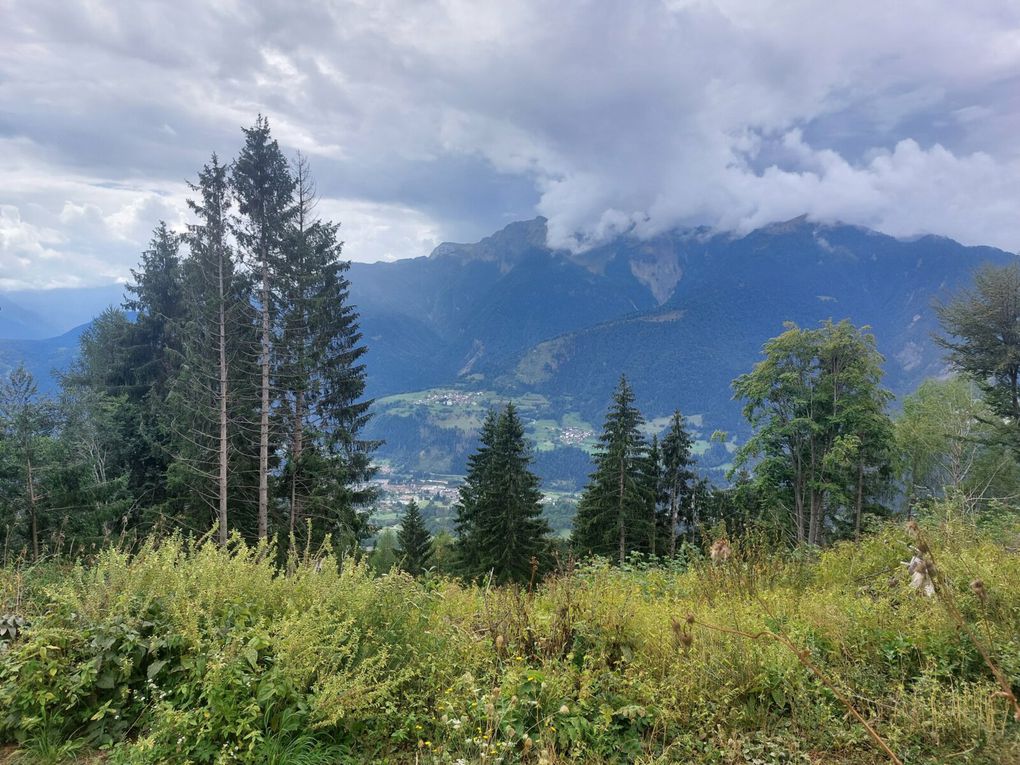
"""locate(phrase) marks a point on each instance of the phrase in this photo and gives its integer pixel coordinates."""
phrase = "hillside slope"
(681, 314)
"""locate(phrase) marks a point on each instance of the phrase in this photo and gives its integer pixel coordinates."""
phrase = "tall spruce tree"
(677, 474)
(501, 520)
(264, 189)
(612, 517)
(211, 398)
(471, 499)
(657, 519)
(414, 541)
(321, 377)
(151, 353)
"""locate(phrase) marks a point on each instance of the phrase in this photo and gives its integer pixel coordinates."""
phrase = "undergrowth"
(189, 653)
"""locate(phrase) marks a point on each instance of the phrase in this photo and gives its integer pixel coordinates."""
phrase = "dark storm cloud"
(444, 120)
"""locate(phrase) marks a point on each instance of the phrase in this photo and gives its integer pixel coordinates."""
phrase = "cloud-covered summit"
(427, 121)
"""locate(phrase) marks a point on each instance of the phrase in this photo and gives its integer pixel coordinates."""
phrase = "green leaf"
(155, 667)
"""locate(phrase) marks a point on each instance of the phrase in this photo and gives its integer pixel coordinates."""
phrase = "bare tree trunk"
(694, 512)
(815, 502)
(223, 410)
(619, 516)
(798, 497)
(674, 517)
(814, 521)
(860, 500)
(264, 424)
(296, 449)
(32, 507)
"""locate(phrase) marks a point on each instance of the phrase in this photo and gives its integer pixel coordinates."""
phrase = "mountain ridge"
(682, 314)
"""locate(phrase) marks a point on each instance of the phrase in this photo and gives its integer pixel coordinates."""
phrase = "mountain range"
(681, 314)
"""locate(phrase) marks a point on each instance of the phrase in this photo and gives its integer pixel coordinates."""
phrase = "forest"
(187, 572)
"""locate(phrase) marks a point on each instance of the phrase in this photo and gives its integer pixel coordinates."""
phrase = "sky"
(444, 121)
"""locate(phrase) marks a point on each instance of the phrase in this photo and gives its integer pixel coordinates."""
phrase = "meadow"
(186, 652)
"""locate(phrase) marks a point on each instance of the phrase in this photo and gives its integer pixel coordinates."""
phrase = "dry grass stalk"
(946, 598)
(803, 657)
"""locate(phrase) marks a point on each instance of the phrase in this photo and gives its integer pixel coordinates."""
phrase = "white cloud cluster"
(446, 119)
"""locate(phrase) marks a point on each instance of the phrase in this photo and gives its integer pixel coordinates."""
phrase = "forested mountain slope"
(682, 314)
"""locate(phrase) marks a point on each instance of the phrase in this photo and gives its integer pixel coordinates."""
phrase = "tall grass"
(186, 652)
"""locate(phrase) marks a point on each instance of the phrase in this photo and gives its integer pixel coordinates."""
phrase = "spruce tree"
(211, 397)
(656, 518)
(471, 499)
(150, 352)
(612, 514)
(511, 532)
(414, 541)
(500, 524)
(321, 377)
(677, 473)
(265, 197)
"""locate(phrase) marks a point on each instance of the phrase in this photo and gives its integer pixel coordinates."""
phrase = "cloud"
(447, 119)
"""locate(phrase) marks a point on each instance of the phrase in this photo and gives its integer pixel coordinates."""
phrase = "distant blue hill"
(41, 314)
(43, 358)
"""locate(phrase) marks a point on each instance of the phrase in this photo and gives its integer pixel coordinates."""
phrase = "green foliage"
(185, 653)
(385, 554)
(232, 393)
(415, 541)
(615, 514)
(822, 437)
(946, 446)
(983, 342)
(677, 476)
(501, 532)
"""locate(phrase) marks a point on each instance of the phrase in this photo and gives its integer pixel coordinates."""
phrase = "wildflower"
(564, 710)
(499, 642)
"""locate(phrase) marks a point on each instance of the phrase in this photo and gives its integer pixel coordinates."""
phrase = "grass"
(189, 653)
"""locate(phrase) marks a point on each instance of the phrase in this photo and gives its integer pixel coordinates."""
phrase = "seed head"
(720, 551)
(978, 588)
